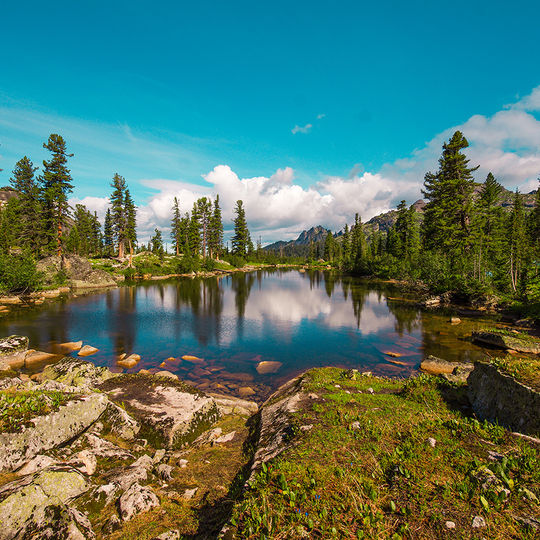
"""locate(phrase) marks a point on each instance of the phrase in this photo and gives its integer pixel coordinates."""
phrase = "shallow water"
(236, 321)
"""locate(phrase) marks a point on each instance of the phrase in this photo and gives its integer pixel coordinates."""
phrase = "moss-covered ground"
(406, 461)
(18, 408)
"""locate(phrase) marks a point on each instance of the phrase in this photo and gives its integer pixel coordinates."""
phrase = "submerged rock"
(170, 413)
(87, 350)
(267, 367)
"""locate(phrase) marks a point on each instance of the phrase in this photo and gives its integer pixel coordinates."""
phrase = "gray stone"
(120, 422)
(50, 431)
(450, 525)
(135, 500)
(159, 455)
(170, 413)
(189, 493)
(36, 464)
(124, 478)
(276, 422)
(80, 272)
(24, 502)
(164, 472)
(76, 372)
(495, 396)
(438, 366)
(478, 522)
(13, 345)
(145, 461)
(59, 521)
(504, 341)
(106, 449)
(236, 406)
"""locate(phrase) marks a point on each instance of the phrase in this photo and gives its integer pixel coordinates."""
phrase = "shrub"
(18, 273)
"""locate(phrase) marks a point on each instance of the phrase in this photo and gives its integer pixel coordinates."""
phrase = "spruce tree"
(108, 233)
(517, 241)
(56, 185)
(535, 224)
(346, 246)
(194, 235)
(241, 237)
(118, 212)
(130, 211)
(204, 212)
(448, 212)
(28, 203)
(157, 243)
(176, 228)
(216, 231)
(329, 247)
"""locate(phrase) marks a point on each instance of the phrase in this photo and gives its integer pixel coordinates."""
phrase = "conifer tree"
(56, 185)
(448, 212)
(329, 247)
(28, 204)
(204, 212)
(194, 235)
(517, 241)
(118, 212)
(157, 243)
(535, 224)
(346, 246)
(108, 233)
(241, 236)
(177, 236)
(358, 245)
(216, 230)
(130, 211)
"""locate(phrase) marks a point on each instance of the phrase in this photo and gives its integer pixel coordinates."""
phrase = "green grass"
(17, 409)
(514, 334)
(525, 369)
(365, 469)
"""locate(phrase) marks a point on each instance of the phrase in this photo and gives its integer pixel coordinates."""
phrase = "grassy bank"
(392, 459)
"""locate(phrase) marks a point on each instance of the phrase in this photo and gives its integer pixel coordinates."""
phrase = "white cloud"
(301, 129)
(321, 116)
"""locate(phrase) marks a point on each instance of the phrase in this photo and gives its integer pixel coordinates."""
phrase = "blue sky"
(341, 97)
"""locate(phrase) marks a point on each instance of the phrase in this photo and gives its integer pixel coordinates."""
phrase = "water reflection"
(233, 322)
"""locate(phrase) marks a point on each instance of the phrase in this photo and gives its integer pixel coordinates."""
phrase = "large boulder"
(24, 503)
(76, 372)
(13, 350)
(135, 500)
(498, 397)
(78, 270)
(50, 431)
(171, 413)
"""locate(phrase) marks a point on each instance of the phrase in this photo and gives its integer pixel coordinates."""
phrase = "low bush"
(18, 273)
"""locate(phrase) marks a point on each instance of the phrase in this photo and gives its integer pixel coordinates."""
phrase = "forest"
(465, 241)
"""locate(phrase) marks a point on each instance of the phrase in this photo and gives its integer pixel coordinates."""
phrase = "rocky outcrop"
(27, 505)
(79, 271)
(498, 397)
(516, 342)
(75, 372)
(276, 428)
(171, 413)
(50, 431)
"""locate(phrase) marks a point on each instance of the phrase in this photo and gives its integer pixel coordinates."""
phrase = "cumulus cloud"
(301, 129)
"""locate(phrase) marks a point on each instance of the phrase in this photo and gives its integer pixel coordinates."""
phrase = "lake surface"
(233, 322)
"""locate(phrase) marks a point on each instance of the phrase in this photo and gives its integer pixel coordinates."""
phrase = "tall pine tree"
(241, 238)
(56, 185)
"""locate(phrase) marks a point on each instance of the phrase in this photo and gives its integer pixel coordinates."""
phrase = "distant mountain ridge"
(383, 222)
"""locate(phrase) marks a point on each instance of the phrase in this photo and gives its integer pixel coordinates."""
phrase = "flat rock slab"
(171, 413)
(505, 341)
(49, 431)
